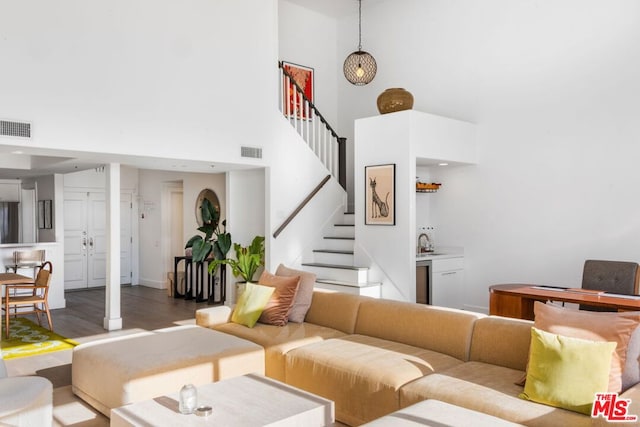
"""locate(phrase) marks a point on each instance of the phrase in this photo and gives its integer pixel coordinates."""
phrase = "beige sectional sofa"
(373, 357)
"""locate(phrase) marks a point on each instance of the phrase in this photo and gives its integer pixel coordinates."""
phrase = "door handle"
(91, 242)
(84, 243)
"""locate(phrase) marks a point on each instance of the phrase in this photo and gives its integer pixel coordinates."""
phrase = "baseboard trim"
(157, 284)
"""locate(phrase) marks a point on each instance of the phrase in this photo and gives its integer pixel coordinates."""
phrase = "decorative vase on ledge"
(394, 99)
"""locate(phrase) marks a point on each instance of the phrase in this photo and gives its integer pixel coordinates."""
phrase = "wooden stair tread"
(333, 251)
(352, 284)
(338, 266)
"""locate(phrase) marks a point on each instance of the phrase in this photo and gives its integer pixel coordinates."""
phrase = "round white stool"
(26, 401)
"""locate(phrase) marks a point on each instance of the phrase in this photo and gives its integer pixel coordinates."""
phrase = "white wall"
(150, 77)
(390, 248)
(192, 185)
(246, 213)
(150, 222)
(96, 178)
(399, 139)
(46, 191)
(290, 179)
(152, 268)
(309, 38)
(553, 89)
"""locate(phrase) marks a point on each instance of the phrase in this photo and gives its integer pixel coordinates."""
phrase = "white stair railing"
(312, 126)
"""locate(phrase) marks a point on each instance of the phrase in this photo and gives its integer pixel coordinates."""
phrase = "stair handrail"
(311, 104)
(301, 205)
(338, 170)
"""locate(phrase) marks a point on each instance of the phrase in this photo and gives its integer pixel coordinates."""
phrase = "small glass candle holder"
(188, 399)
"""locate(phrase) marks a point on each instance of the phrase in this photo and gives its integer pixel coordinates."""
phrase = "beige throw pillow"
(305, 292)
(591, 325)
(285, 288)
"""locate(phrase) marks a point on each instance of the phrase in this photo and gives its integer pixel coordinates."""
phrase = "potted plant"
(215, 239)
(248, 259)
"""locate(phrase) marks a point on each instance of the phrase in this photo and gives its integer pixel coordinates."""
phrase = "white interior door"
(75, 240)
(172, 242)
(126, 239)
(177, 225)
(85, 239)
(96, 232)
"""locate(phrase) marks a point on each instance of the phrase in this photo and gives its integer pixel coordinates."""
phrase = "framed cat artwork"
(380, 194)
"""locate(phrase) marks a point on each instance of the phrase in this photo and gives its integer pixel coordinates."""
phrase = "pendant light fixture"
(360, 67)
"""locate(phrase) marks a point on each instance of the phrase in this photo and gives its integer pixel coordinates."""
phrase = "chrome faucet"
(424, 243)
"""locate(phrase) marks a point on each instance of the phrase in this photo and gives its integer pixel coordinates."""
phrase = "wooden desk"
(516, 300)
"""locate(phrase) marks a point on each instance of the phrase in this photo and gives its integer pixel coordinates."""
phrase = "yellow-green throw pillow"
(251, 304)
(567, 372)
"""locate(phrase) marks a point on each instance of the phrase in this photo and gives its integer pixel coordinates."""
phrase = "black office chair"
(617, 277)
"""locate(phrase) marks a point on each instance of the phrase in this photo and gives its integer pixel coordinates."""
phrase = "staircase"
(334, 264)
(333, 261)
(312, 127)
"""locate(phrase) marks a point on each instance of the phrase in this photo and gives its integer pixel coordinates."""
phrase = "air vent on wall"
(254, 152)
(19, 129)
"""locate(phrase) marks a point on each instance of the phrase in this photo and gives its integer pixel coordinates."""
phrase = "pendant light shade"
(360, 67)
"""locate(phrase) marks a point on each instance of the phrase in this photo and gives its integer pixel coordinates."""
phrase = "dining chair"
(29, 298)
(32, 259)
(618, 277)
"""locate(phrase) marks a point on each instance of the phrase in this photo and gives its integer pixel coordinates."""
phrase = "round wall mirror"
(212, 197)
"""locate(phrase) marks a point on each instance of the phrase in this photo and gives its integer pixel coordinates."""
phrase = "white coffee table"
(249, 400)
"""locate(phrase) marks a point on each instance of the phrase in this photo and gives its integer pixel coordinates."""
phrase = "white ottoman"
(26, 401)
(118, 371)
(437, 414)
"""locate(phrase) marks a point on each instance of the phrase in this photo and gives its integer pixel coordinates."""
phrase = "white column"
(112, 319)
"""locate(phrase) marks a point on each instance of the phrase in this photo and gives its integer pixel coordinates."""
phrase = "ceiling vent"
(19, 129)
(253, 152)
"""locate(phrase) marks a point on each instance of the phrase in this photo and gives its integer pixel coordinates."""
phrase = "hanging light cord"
(359, 67)
(359, 25)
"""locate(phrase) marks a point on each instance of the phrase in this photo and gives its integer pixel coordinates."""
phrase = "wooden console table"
(516, 300)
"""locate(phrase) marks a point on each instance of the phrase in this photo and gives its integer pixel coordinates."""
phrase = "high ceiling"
(334, 8)
(18, 162)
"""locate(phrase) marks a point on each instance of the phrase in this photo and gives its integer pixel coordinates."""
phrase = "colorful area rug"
(29, 339)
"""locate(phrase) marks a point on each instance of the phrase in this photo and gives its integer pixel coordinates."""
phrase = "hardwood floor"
(141, 307)
(82, 320)
(83, 317)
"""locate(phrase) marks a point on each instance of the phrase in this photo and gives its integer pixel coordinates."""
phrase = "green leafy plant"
(247, 261)
(215, 239)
